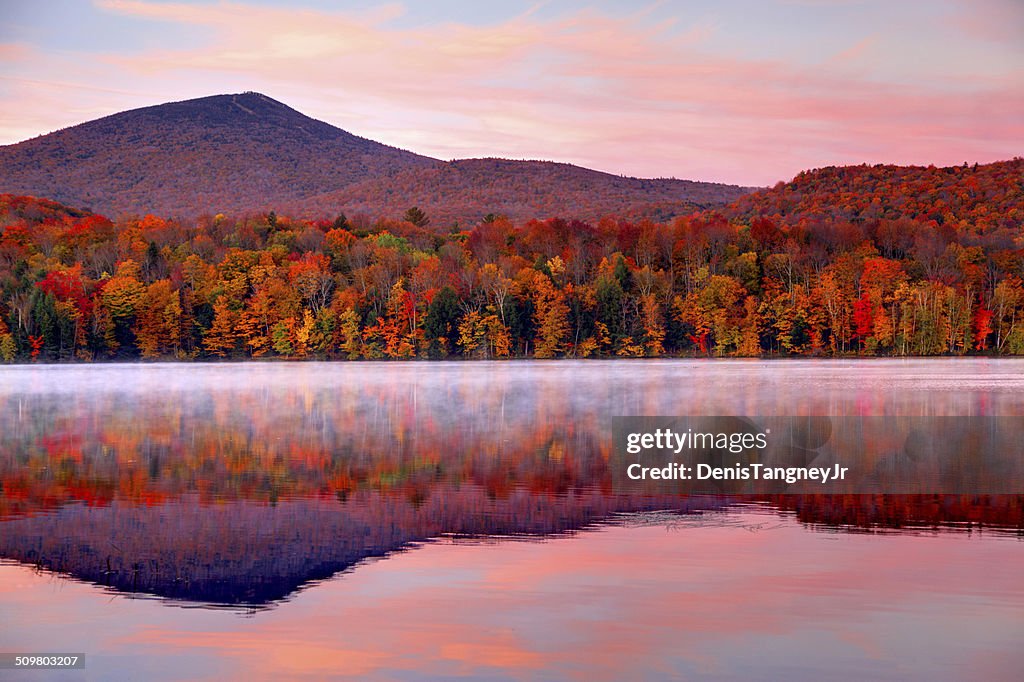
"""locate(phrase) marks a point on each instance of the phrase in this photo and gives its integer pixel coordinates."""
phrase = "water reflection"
(239, 484)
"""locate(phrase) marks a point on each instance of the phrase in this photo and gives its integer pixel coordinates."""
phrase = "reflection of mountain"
(250, 553)
(244, 552)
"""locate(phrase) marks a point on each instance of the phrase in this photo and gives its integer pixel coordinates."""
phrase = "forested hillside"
(521, 190)
(970, 199)
(912, 261)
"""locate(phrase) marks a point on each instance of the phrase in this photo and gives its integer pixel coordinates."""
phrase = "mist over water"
(517, 390)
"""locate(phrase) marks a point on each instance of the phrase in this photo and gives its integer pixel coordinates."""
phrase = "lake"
(422, 520)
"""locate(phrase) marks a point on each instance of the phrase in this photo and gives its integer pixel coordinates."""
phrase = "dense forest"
(879, 260)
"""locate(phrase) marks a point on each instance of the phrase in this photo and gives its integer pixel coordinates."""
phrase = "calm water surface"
(423, 520)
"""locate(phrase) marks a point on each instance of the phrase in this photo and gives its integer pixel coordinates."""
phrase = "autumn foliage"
(863, 260)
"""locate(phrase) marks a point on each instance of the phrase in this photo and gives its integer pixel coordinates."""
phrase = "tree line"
(732, 282)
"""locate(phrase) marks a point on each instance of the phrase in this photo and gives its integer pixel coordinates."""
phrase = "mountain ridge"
(244, 152)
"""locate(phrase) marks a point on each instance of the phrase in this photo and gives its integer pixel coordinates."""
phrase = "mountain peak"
(249, 102)
(247, 109)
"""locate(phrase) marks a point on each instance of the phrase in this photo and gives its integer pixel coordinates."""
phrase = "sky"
(742, 91)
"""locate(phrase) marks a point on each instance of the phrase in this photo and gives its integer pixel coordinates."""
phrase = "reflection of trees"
(870, 513)
(242, 494)
(373, 431)
(255, 446)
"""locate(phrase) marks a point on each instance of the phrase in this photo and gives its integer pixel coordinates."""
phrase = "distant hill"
(467, 189)
(34, 210)
(973, 198)
(248, 152)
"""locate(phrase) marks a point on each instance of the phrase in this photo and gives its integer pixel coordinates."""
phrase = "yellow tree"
(349, 338)
(159, 321)
(750, 331)
(8, 346)
(222, 337)
(715, 308)
(303, 329)
(499, 339)
(393, 335)
(484, 335)
(1006, 302)
(255, 321)
(498, 288)
(552, 317)
(120, 299)
(473, 334)
(654, 325)
(835, 301)
(599, 342)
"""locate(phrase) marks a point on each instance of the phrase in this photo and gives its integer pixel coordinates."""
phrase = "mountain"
(248, 152)
(223, 153)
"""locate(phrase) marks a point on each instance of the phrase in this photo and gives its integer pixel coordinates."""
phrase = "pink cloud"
(998, 21)
(616, 93)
